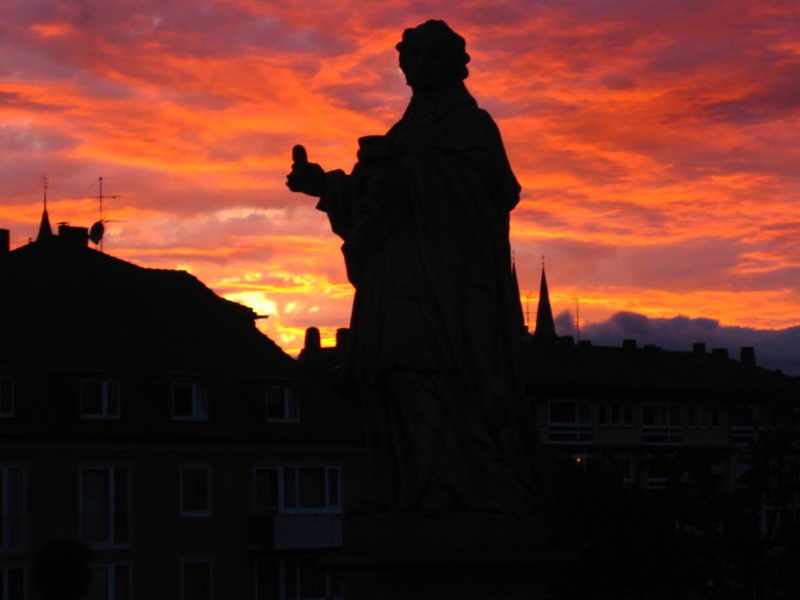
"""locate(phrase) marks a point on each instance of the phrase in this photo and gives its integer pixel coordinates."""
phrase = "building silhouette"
(149, 418)
(683, 466)
(635, 404)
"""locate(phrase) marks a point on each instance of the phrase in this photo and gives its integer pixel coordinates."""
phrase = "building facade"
(149, 419)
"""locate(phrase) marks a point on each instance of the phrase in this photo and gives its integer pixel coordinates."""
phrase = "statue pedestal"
(456, 556)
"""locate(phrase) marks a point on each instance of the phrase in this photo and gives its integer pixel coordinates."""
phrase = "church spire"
(45, 231)
(545, 325)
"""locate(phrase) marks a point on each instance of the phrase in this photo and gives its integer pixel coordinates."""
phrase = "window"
(570, 422)
(266, 491)
(12, 508)
(615, 414)
(658, 476)
(196, 580)
(294, 579)
(742, 426)
(268, 580)
(6, 397)
(11, 583)
(692, 416)
(712, 416)
(702, 416)
(661, 424)
(281, 405)
(99, 399)
(743, 464)
(189, 402)
(297, 489)
(196, 491)
(743, 435)
(110, 582)
(623, 467)
(104, 505)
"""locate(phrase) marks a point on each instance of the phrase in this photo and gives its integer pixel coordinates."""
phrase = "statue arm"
(336, 200)
(332, 189)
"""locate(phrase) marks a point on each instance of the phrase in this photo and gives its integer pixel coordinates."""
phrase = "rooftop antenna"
(98, 229)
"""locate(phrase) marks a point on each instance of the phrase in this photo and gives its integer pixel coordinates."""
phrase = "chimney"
(5, 245)
(748, 356)
(719, 354)
(75, 237)
(312, 342)
(629, 345)
(699, 348)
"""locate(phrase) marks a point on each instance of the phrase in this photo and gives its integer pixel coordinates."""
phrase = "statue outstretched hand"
(305, 177)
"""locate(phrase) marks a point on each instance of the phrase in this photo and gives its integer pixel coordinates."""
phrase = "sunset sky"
(657, 143)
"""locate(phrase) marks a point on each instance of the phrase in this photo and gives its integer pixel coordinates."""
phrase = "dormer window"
(189, 402)
(6, 397)
(99, 399)
(282, 405)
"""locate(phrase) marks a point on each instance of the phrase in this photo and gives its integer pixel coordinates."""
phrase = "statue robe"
(436, 318)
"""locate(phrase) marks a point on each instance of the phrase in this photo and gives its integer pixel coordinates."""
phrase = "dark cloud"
(775, 349)
(28, 139)
(18, 101)
(776, 99)
(372, 87)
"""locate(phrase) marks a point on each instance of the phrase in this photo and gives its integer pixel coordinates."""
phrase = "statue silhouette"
(436, 321)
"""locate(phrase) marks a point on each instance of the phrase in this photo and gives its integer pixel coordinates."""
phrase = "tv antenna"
(98, 228)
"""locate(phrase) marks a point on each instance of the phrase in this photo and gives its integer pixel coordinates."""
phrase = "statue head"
(432, 55)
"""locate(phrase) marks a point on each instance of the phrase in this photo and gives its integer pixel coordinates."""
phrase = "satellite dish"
(96, 232)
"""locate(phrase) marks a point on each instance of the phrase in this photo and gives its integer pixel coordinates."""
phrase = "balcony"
(662, 435)
(743, 435)
(570, 433)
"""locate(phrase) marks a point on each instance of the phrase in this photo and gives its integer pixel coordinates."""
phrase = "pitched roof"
(67, 306)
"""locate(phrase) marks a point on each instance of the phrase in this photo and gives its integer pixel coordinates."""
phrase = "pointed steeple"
(45, 231)
(545, 325)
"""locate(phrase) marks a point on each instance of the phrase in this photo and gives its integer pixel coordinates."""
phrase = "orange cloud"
(655, 142)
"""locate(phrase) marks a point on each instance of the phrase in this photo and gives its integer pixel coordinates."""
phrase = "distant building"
(149, 418)
(642, 409)
(654, 414)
